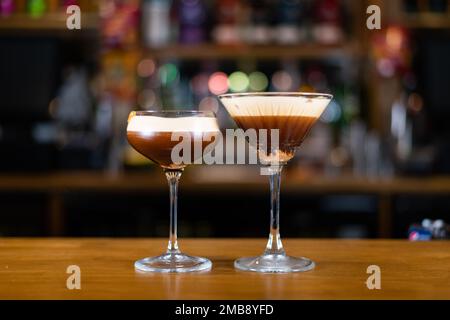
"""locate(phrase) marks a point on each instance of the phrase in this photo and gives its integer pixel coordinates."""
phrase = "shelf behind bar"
(56, 22)
(195, 181)
(215, 51)
(46, 22)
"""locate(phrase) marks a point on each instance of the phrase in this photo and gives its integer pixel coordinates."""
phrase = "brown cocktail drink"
(155, 137)
(287, 116)
(156, 134)
(292, 130)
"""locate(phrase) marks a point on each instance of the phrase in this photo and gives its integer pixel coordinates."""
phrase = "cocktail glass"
(293, 114)
(154, 134)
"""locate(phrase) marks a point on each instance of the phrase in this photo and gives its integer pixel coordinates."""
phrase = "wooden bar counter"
(35, 268)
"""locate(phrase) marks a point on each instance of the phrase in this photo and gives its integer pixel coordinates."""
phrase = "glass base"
(173, 262)
(274, 263)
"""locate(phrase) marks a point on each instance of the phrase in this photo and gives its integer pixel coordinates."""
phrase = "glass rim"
(174, 113)
(274, 94)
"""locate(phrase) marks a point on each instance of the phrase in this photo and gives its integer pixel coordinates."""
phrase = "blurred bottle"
(259, 31)
(103, 117)
(156, 22)
(75, 100)
(357, 137)
(6, 7)
(290, 28)
(226, 30)
(373, 155)
(119, 23)
(103, 131)
(401, 129)
(192, 19)
(412, 152)
(36, 8)
(356, 149)
(327, 19)
(175, 88)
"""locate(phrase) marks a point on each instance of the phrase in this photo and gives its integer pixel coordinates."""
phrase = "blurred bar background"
(377, 162)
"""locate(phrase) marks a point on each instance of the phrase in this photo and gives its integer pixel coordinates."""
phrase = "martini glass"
(154, 134)
(293, 114)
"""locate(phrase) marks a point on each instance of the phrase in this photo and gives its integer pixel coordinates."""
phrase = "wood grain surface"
(36, 269)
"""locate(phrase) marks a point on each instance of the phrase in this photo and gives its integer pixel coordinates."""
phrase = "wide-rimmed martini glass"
(154, 134)
(293, 114)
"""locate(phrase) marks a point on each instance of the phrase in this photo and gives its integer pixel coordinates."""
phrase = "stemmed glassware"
(154, 134)
(291, 115)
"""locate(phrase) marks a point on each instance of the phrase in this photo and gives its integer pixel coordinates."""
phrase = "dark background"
(66, 94)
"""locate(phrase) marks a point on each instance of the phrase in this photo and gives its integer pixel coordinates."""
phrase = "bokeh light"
(282, 81)
(258, 81)
(199, 84)
(415, 102)
(146, 68)
(395, 38)
(386, 67)
(218, 83)
(168, 74)
(238, 81)
(209, 104)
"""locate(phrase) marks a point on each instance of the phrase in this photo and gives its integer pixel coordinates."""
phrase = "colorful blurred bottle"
(6, 7)
(192, 19)
(260, 31)
(36, 8)
(226, 30)
(289, 28)
(156, 22)
(327, 17)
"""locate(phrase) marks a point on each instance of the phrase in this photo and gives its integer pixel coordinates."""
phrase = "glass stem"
(274, 245)
(173, 176)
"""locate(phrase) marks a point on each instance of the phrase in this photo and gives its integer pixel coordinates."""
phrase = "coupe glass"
(151, 134)
(293, 114)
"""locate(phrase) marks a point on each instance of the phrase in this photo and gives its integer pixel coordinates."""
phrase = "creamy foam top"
(182, 124)
(268, 105)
